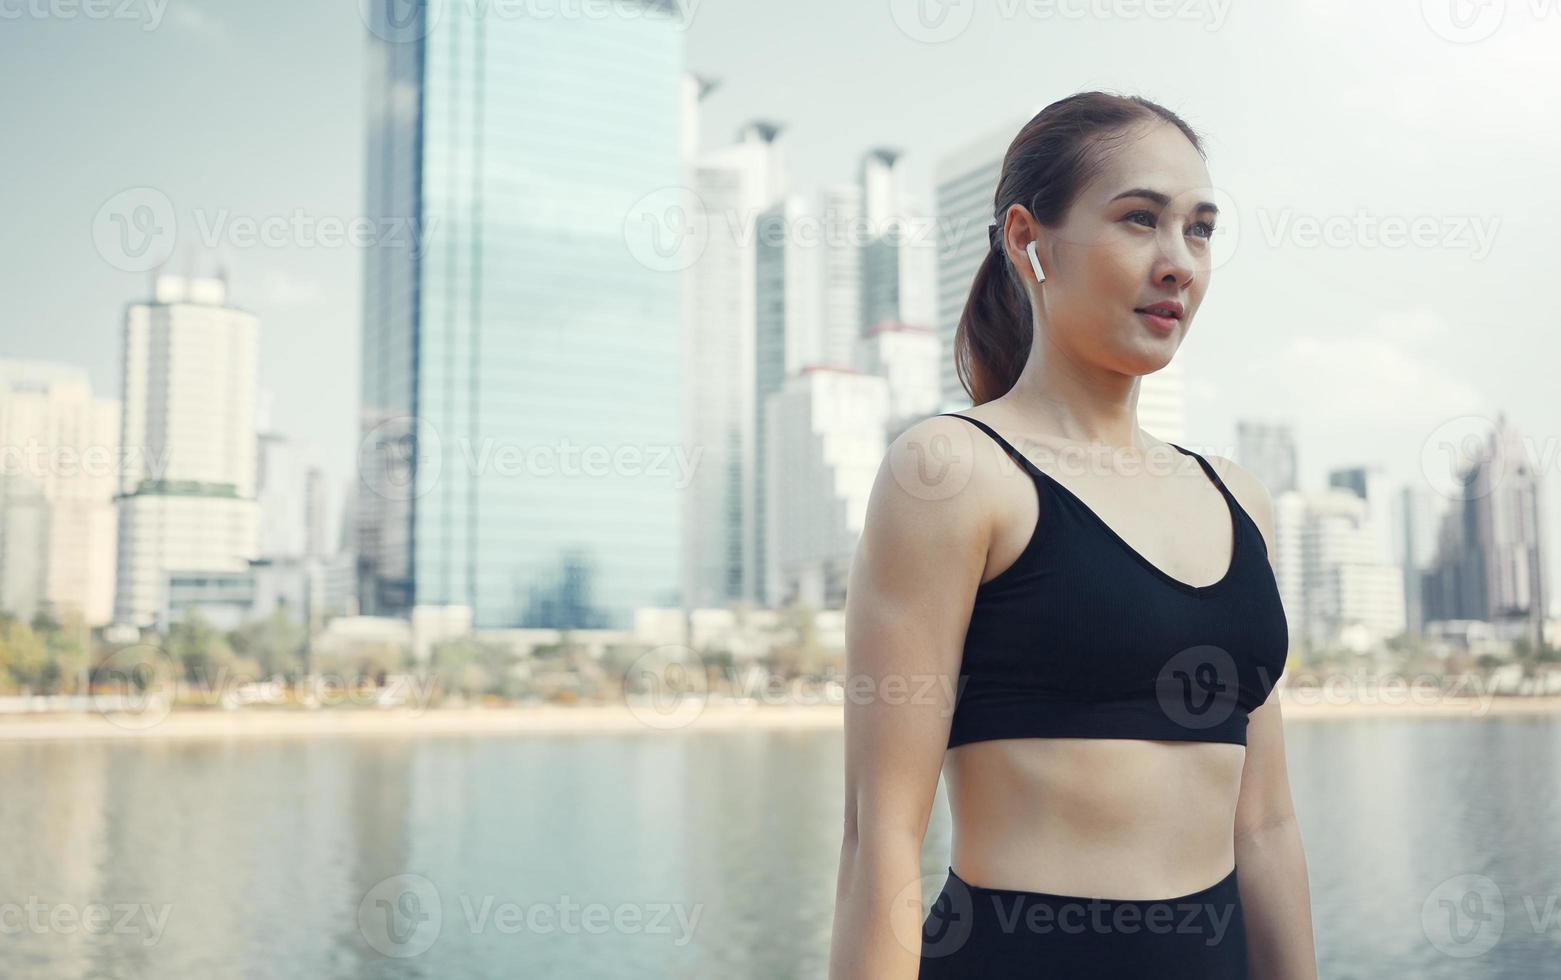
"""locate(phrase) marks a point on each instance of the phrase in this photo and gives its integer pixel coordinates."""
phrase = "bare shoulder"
(1249, 491)
(930, 505)
(919, 559)
(934, 468)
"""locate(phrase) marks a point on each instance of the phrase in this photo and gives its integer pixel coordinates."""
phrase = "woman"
(1088, 653)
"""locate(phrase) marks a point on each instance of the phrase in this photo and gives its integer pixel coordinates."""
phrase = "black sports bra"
(1082, 637)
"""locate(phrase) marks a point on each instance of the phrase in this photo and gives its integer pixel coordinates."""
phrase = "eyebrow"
(1161, 199)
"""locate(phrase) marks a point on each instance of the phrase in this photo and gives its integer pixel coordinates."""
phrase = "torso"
(1103, 817)
(1108, 818)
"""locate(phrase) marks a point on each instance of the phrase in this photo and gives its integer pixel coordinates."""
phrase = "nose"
(1175, 262)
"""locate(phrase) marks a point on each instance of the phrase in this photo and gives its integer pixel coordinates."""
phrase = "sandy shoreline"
(622, 718)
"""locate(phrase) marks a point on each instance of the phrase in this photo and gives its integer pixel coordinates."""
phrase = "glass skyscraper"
(521, 359)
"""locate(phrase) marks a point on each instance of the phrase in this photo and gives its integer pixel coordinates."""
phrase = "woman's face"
(1137, 235)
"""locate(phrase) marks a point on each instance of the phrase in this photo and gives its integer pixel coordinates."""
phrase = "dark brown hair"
(1054, 156)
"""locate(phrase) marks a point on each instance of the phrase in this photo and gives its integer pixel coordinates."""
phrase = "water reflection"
(677, 854)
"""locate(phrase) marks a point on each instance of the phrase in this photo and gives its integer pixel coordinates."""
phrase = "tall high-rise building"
(1371, 485)
(1491, 563)
(1162, 402)
(899, 257)
(1352, 592)
(1453, 586)
(316, 542)
(733, 184)
(57, 486)
(826, 433)
(808, 314)
(836, 250)
(1509, 518)
(522, 442)
(187, 486)
(279, 487)
(1288, 560)
(906, 356)
(1267, 451)
(786, 309)
(1415, 524)
(1339, 555)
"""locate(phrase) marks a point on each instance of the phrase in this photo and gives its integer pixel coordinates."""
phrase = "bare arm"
(1275, 894)
(908, 600)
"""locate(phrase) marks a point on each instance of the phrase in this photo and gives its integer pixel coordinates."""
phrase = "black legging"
(999, 932)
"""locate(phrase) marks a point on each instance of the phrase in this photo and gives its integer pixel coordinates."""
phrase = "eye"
(1203, 229)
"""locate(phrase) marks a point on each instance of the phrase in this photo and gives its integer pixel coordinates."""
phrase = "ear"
(1019, 230)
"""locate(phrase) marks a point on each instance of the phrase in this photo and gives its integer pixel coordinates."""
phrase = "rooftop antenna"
(707, 84)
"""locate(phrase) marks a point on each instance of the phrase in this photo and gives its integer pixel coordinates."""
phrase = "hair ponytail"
(1052, 158)
(988, 360)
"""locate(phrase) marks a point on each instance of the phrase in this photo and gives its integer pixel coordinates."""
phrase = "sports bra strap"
(1024, 460)
(1208, 468)
(1019, 457)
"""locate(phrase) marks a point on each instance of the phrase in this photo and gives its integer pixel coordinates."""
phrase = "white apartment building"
(58, 476)
(187, 491)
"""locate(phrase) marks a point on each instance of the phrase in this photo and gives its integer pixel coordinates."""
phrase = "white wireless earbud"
(1035, 263)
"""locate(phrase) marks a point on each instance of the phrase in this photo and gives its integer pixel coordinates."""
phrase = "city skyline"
(1402, 353)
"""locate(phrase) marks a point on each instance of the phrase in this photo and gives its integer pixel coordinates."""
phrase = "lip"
(1165, 308)
(1162, 315)
(1160, 324)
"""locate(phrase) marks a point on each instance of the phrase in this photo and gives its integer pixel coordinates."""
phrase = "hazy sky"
(1331, 126)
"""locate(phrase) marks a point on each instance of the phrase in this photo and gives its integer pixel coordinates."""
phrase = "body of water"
(1434, 849)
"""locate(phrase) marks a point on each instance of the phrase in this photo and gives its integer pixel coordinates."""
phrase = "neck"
(1080, 405)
